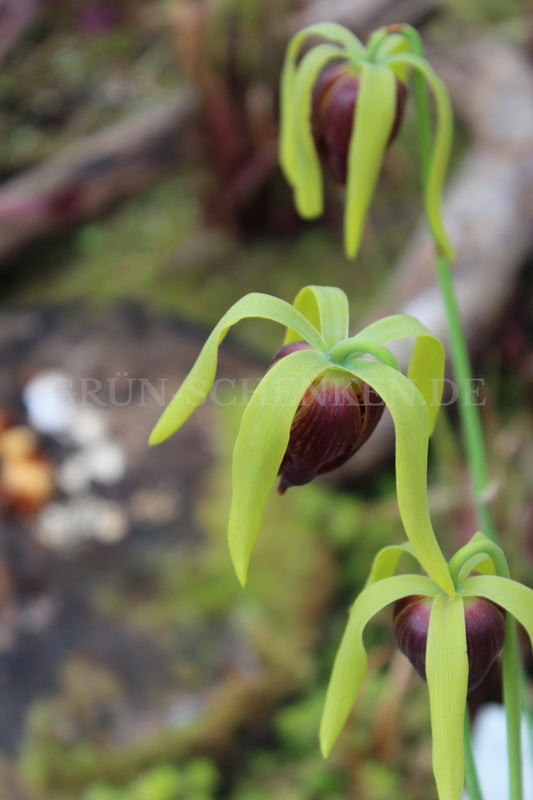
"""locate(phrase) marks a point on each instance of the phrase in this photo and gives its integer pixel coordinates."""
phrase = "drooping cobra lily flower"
(342, 102)
(463, 634)
(319, 318)
(334, 112)
(334, 419)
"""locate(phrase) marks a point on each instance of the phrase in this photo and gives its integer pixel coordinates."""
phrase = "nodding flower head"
(451, 638)
(484, 628)
(318, 402)
(334, 114)
(342, 104)
(334, 419)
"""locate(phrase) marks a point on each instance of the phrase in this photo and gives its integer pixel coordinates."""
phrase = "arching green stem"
(471, 424)
(468, 405)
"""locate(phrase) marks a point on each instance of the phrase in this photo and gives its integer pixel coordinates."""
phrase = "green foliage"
(163, 782)
(194, 780)
(99, 791)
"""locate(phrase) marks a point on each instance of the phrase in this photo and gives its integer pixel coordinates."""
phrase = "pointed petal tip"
(155, 437)
(351, 249)
(326, 745)
(241, 571)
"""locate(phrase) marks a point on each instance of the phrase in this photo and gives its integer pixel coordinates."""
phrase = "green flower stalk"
(451, 647)
(319, 319)
(343, 102)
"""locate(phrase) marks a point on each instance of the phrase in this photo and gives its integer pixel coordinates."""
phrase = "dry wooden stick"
(97, 172)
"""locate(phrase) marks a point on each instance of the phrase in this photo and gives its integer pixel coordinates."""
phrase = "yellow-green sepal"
(326, 307)
(386, 561)
(375, 111)
(516, 598)
(261, 443)
(350, 663)
(447, 678)
(306, 171)
(383, 44)
(411, 421)
(426, 367)
(198, 382)
(350, 47)
(481, 554)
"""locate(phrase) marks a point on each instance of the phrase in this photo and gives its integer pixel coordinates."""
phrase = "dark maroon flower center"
(485, 632)
(334, 419)
(334, 112)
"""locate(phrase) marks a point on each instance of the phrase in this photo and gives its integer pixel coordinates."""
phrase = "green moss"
(478, 12)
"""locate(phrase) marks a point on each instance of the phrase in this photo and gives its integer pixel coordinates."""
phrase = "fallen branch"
(362, 16)
(96, 173)
(16, 16)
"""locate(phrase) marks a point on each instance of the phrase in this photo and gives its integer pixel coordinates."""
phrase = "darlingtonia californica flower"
(318, 403)
(450, 636)
(342, 104)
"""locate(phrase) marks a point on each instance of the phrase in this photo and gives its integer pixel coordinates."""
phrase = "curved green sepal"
(353, 49)
(361, 345)
(375, 111)
(307, 172)
(260, 446)
(516, 598)
(386, 561)
(410, 415)
(447, 677)
(426, 368)
(481, 554)
(326, 307)
(350, 663)
(423, 74)
(390, 45)
(198, 382)
(426, 371)
(374, 42)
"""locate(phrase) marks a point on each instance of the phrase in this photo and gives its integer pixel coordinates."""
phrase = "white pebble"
(107, 462)
(87, 425)
(112, 524)
(62, 526)
(49, 402)
(73, 475)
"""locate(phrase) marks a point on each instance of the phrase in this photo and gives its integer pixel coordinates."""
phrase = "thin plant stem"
(527, 711)
(476, 458)
(468, 401)
(471, 779)
(511, 699)
(469, 412)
